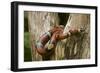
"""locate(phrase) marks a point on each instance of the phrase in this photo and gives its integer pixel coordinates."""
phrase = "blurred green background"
(27, 48)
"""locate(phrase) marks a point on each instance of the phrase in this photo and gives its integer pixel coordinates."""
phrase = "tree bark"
(78, 47)
(39, 23)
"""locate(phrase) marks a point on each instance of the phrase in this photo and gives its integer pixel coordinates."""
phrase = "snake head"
(81, 29)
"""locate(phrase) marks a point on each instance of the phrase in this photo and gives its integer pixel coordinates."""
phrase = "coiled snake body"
(52, 37)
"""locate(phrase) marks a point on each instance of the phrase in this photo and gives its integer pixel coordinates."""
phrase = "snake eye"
(81, 29)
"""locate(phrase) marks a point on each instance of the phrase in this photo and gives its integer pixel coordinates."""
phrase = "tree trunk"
(39, 23)
(78, 47)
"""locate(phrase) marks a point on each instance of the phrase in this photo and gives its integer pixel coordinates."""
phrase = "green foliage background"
(27, 48)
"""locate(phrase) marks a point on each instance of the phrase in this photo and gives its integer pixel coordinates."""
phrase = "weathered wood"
(78, 47)
(39, 23)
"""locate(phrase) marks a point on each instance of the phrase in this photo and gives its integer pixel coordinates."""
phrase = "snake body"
(52, 37)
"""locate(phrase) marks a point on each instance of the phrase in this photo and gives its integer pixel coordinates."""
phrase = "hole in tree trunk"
(63, 18)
